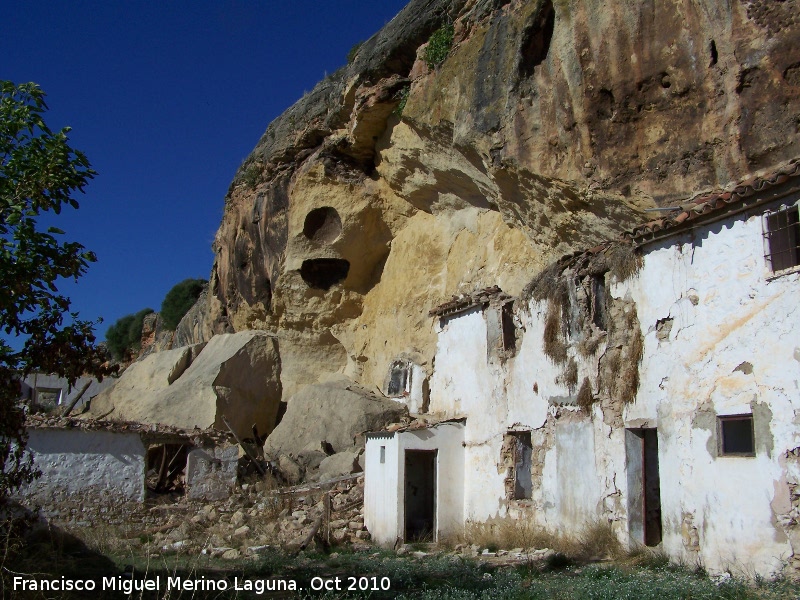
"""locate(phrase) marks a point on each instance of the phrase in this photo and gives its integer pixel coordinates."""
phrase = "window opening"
(399, 379)
(736, 436)
(46, 399)
(383, 455)
(782, 234)
(509, 331)
(166, 468)
(517, 456)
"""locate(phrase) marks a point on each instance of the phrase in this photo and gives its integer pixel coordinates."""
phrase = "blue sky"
(167, 99)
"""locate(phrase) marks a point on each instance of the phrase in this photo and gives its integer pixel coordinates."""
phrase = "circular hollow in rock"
(322, 273)
(323, 225)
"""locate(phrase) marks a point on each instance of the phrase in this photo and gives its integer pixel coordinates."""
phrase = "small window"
(47, 398)
(782, 233)
(383, 455)
(399, 379)
(736, 436)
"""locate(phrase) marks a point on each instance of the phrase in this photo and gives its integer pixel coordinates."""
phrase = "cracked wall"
(716, 335)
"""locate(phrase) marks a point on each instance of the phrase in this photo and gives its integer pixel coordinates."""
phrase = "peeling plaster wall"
(465, 383)
(99, 465)
(720, 338)
(730, 350)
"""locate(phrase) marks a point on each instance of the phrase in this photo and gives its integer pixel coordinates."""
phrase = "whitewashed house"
(89, 466)
(651, 383)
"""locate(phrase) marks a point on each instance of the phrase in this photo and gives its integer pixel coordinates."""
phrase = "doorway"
(420, 495)
(644, 486)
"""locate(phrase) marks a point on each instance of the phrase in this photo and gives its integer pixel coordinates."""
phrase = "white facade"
(386, 481)
(716, 335)
(85, 467)
(97, 464)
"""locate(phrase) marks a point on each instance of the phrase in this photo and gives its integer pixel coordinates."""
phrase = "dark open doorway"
(644, 486)
(420, 495)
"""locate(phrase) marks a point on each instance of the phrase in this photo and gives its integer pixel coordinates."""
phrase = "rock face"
(234, 376)
(324, 419)
(548, 127)
(155, 337)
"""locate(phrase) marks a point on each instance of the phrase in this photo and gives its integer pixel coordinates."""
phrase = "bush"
(125, 336)
(402, 96)
(439, 45)
(179, 300)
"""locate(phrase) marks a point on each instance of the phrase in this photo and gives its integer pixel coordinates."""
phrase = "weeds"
(570, 376)
(585, 396)
(402, 97)
(555, 346)
(253, 175)
(644, 574)
(439, 45)
(351, 55)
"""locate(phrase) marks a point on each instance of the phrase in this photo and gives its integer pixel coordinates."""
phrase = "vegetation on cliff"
(180, 299)
(125, 335)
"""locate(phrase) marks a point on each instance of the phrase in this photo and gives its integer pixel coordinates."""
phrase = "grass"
(595, 541)
(643, 574)
(585, 396)
(555, 346)
(402, 98)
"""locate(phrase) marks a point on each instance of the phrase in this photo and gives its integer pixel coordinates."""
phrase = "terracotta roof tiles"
(704, 205)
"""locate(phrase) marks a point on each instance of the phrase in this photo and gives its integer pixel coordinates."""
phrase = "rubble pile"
(255, 518)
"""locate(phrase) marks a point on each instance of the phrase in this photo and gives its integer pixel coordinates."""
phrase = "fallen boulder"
(324, 418)
(234, 377)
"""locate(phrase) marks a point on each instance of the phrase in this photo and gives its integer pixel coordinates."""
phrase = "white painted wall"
(382, 491)
(74, 462)
(384, 511)
(37, 381)
(729, 312)
(728, 309)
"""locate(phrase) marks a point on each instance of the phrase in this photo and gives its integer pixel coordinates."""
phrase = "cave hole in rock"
(536, 40)
(323, 225)
(322, 273)
(714, 54)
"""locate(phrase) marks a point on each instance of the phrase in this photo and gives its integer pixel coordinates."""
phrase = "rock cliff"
(550, 125)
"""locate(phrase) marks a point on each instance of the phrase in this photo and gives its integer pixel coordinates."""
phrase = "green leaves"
(39, 173)
(125, 336)
(180, 299)
(439, 45)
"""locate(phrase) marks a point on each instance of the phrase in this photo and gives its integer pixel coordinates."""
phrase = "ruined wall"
(95, 467)
(709, 332)
(211, 472)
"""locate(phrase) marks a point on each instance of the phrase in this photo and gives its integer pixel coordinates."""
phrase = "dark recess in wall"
(536, 40)
(323, 273)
